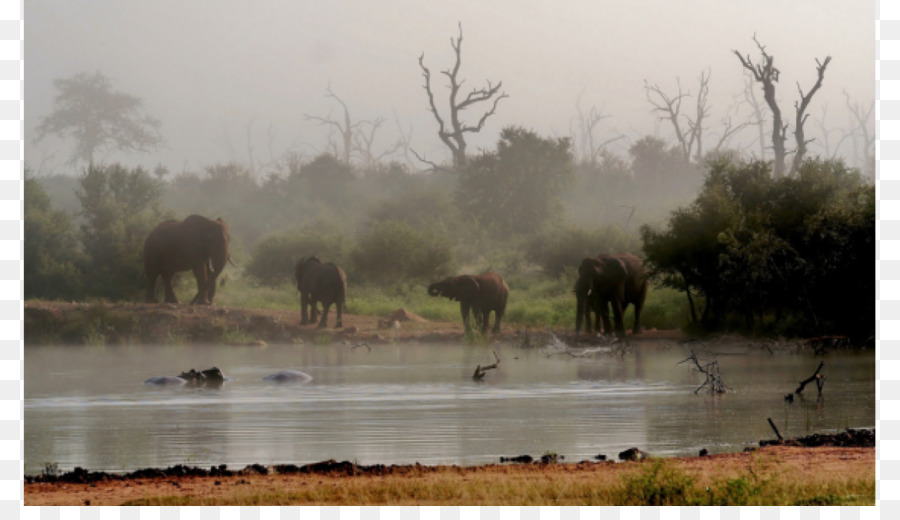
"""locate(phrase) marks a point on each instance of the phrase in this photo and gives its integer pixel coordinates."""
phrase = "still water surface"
(405, 403)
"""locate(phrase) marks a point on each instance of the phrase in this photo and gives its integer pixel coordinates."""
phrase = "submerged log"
(480, 370)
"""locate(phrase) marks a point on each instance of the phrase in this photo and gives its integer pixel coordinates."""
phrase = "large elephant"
(197, 244)
(320, 283)
(610, 280)
(479, 293)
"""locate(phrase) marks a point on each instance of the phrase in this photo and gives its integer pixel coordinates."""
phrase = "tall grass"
(659, 482)
(534, 301)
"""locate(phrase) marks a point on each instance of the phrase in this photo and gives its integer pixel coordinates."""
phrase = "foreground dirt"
(386, 485)
(138, 323)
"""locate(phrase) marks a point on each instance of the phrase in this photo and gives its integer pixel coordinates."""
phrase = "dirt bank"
(137, 323)
(584, 483)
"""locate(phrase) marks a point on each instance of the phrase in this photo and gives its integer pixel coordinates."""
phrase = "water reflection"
(415, 403)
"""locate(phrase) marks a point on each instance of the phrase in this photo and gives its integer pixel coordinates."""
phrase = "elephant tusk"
(230, 261)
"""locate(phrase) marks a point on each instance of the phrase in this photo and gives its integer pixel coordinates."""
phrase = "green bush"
(564, 246)
(274, 258)
(392, 253)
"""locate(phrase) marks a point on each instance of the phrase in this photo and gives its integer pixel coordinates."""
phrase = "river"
(409, 402)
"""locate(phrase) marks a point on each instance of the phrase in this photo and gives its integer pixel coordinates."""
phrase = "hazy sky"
(209, 69)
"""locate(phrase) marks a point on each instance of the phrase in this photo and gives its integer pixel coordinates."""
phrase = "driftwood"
(817, 377)
(711, 370)
(480, 370)
(777, 433)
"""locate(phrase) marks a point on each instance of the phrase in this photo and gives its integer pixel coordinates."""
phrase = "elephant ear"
(467, 288)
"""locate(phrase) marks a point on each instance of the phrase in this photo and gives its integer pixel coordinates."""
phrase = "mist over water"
(407, 403)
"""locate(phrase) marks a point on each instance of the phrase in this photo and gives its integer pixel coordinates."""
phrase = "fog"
(226, 75)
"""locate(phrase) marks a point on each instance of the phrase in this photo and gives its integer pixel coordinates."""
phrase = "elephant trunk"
(434, 290)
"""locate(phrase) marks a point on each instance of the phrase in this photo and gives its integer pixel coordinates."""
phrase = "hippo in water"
(165, 381)
(209, 378)
(288, 376)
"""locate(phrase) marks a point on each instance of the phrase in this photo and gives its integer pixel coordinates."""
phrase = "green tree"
(517, 188)
(50, 251)
(120, 207)
(88, 110)
(756, 246)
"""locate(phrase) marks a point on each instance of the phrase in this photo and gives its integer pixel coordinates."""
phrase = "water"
(406, 403)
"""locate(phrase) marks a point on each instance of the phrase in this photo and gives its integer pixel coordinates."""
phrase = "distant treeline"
(751, 252)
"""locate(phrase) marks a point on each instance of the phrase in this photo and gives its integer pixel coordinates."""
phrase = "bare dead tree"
(862, 118)
(801, 115)
(830, 149)
(759, 118)
(345, 128)
(405, 139)
(689, 132)
(586, 138)
(767, 74)
(453, 133)
(365, 137)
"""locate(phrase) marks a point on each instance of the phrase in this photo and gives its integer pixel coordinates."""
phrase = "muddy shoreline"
(852, 438)
(137, 323)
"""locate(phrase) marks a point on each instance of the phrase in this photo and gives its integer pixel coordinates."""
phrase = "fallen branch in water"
(481, 369)
(777, 434)
(817, 377)
(713, 376)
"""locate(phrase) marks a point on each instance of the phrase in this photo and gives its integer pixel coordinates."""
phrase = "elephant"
(288, 376)
(610, 280)
(198, 244)
(481, 293)
(320, 283)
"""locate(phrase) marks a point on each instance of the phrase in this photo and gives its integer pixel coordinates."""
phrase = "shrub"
(558, 247)
(274, 258)
(393, 253)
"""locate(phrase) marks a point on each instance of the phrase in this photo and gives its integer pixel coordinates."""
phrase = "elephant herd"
(200, 245)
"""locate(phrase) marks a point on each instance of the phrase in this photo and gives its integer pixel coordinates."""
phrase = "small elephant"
(197, 244)
(610, 280)
(320, 283)
(479, 293)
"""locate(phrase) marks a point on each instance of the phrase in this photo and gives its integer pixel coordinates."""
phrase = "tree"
(517, 188)
(98, 118)
(798, 249)
(454, 134)
(767, 74)
(50, 252)
(120, 207)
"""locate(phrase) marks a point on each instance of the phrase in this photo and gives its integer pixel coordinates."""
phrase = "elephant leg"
(636, 329)
(498, 315)
(339, 310)
(603, 318)
(324, 321)
(485, 320)
(304, 308)
(464, 310)
(170, 291)
(200, 276)
(618, 317)
(313, 310)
